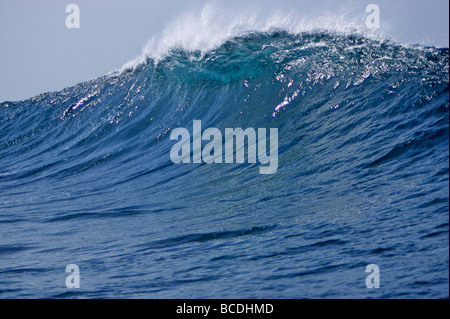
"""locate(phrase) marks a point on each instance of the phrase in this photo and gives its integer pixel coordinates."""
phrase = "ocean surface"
(363, 178)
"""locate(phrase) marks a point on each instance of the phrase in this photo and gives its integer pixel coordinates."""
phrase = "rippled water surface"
(86, 177)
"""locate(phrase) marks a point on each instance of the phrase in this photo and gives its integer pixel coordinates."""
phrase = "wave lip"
(212, 26)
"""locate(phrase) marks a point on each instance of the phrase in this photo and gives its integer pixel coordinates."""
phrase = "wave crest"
(215, 23)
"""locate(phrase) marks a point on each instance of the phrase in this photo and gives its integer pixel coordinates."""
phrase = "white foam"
(216, 22)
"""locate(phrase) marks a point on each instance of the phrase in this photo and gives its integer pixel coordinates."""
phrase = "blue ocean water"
(86, 177)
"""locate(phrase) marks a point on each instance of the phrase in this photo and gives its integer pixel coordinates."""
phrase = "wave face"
(363, 125)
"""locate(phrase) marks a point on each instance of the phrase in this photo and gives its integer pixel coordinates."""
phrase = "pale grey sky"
(39, 54)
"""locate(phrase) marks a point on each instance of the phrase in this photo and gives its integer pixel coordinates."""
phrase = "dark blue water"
(86, 176)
